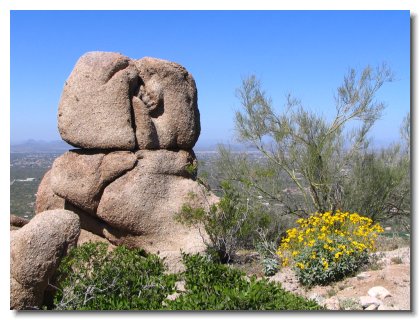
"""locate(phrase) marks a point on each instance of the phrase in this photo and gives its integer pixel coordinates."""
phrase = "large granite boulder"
(79, 176)
(168, 94)
(35, 253)
(136, 208)
(143, 203)
(95, 106)
(112, 102)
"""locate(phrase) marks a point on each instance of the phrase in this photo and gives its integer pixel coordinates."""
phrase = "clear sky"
(305, 53)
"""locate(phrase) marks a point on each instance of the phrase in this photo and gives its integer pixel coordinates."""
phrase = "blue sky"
(305, 53)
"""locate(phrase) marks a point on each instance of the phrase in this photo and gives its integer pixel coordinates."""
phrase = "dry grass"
(384, 243)
(396, 260)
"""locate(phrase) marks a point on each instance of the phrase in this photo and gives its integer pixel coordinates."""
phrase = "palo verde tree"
(313, 153)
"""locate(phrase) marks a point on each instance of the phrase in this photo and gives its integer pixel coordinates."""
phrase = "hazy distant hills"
(60, 146)
(40, 146)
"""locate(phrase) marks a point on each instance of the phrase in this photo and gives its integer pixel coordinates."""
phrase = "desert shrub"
(328, 247)
(230, 224)
(378, 184)
(267, 250)
(350, 304)
(91, 278)
(390, 242)
(214, 286)
(270, 266)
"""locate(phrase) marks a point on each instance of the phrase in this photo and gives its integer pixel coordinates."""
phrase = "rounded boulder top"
(112, 102)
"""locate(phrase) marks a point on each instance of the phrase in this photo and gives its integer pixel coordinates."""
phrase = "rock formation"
(36, 250)
(112, 102)
(17, 222)
(135, 123)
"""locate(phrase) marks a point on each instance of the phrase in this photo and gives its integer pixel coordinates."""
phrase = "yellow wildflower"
(325, 264)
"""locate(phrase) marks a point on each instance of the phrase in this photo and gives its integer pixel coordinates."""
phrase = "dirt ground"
(391, 271)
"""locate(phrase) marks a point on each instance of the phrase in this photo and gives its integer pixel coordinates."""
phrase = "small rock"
(317, 297)
(180, 287)
(363, 275)
(332, 303)
(348, 288)
(366, 301)
(379, 292)
(383, 307)
(372, 307)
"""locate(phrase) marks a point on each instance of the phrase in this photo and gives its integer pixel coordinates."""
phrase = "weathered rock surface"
(46, 199)
(17, 222)
(145, 204)
(136, 122)
(332, 303)
(379, 292)
(35, 252)
(371, 307)
(95, 106)
(79, 176)
(168, 162)
(86, 237)
(366, 301)
(168, 95)
(112, 102)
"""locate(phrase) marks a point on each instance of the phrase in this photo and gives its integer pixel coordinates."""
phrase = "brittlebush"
(329, 246)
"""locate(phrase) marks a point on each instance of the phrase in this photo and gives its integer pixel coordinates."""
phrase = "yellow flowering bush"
(328, 246)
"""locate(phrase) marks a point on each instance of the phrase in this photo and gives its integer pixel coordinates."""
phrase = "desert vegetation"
(310, 165)
(319, 199)
(319, 196)
(91, 278)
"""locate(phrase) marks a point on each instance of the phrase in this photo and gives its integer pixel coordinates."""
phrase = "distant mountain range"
(40, 146)
(60, 146)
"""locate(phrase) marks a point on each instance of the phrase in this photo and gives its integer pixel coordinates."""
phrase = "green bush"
(90, 278)
(230, 224)
(214, 286)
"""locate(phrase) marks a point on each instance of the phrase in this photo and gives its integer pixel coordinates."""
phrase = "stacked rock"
(134, 123)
